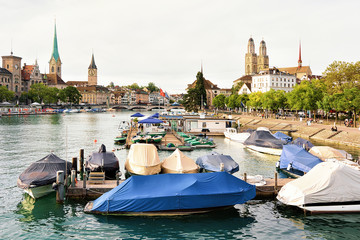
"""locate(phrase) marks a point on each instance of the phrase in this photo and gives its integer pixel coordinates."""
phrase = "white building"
(273, 78)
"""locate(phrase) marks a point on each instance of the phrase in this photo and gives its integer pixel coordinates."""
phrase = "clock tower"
(13, 65)
(92, 72)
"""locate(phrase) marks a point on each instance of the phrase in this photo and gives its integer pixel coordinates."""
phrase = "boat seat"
(96, 178)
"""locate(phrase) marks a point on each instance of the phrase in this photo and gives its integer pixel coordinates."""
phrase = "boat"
(330, 187)
(142, 159)
(178, 162)
(38, 178)
(282, 136)
(173, 194)
(295, 161)
(124, 126)
(103, 161)
(172, 147)
(303, 143)
(215, 162)
(75, 110)
(263, 141)
(156, 139)
(145, 139)
(136, 139)
(232, 134)
(120, 140)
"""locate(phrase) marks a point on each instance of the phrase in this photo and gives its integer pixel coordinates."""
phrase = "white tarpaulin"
(178, 162)
(327, 182)
(325, 152)
(143, 159)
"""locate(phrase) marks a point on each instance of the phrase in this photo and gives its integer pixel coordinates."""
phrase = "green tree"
(351, 101)
(255, 100)
(219, 101)
(70, 94)
(134, 86)
(24, 98)
(236, 87)
(190, 100)
(37, 92)
(200, 89)
(6, 94)
(233, 102)
(52, 95)
(152, 87)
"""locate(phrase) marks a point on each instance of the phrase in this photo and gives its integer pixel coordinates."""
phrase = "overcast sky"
(164, 41)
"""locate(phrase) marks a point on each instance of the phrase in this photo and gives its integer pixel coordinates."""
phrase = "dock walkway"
(170, 137)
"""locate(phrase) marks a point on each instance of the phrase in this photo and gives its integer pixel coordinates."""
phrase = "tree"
(190, 100)
(255, 100)
(152, 87)
(134, 86)
(37, 92)
(6, 94)
(24, 98)
(232, 102)
(52, 95)
(70, 94)
(242, 100)
(200, 89)
(351, 101)
(236, 87)
(219, 101)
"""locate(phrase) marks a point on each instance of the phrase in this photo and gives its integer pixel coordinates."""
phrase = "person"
(346, 122)
(334, 128)
(350, 123)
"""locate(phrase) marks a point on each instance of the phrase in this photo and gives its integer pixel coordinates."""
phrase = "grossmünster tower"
(255, 63)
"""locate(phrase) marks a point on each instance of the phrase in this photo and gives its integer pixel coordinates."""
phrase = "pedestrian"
(346, 122)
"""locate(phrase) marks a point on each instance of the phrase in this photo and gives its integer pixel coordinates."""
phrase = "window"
(204, 124)
(52, 69)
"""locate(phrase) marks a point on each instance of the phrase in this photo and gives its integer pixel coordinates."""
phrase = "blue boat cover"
(156, 115)
(151, 120)
(137, 115)
(301, 142)
(300, 159)
(212, 162)
(164, 192)
(282, 136)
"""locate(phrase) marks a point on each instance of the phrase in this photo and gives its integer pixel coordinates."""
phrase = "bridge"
(146, 107)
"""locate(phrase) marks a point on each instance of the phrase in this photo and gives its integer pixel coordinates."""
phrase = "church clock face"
(91, 72)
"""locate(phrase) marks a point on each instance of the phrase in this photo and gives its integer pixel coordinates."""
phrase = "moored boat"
(38, 178)
(263, 141)
(172, 147)
(173, 194)
(215, 162)
(233, 135)
(178, 162)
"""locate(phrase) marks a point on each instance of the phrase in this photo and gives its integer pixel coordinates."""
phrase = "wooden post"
(276, 183)
(73, 176)
(74, 163)
(60, 193)
(117, 178)
(81, 163)
(84, 180)
(245, 177)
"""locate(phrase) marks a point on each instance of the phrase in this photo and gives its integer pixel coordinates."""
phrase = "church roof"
(294, 70)
(207, 85)
(55, 53)
(94, 88)
(92, 64)
(77, 83)
(245, 79)
(4, 71)
(54, 79)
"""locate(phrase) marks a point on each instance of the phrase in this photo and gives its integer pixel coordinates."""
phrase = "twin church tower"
(55, 64)
(255, 63)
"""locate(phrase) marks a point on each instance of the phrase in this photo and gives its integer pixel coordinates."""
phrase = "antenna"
(11, 46)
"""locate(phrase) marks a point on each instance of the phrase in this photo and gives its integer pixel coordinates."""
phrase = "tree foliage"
(197, 95)
(70, 94)
(5, 94)
(219, 101)
(152, 87)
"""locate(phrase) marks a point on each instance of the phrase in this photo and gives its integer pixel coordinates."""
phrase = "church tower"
(262, 59)
(55, 62)
(250, 59)
(92, 72)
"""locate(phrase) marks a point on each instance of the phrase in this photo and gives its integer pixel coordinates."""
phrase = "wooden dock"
(170, 137)
(93, 191)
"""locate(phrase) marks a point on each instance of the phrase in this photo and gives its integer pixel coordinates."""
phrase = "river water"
(25, 139)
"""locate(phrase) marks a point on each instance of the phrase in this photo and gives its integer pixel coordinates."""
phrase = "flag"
(242, 105)
(166, 95)
(162, 93)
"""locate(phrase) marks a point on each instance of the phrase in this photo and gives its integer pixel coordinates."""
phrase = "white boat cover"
(143, 159)
(262, 129)
(325, 152)
(327, 182)
(178, 162)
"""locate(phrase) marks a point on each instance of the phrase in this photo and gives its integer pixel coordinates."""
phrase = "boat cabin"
(206, 124)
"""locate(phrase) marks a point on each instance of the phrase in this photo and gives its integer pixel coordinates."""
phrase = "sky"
(165, 41)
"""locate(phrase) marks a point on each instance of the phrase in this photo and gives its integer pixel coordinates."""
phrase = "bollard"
(245, 177)
(276, 183)
(81, 163)
(60, 193)
(74, 163)
(84, 180)
(73, 176)
(222, 167)
(117, 178)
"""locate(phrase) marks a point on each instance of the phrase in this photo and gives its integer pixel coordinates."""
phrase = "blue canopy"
(302, 142)
(151, 120)
(156, 115)
(300, 159)
(137, 115)
(175, 104)
(164, 192)
(212, 162)
(282, 136)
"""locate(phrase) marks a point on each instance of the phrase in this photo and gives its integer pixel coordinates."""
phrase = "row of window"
(274, 79)
(274, 85)
(4, 79)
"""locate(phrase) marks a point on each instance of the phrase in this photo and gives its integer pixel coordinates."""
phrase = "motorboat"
(136, 139)
(172, 147)
(215, 162)
(282, 136)
(120, 140)
(296, 161)
(75, 110)
(156, 139)
(124, 126)
(330, 187)
(103, 161)
(178, 162)
(173, 194)
(232, 134)
(306, 144)
(263, 141)
(142, 159)
(38, 178)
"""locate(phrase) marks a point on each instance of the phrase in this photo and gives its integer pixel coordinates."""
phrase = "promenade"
(320, 131)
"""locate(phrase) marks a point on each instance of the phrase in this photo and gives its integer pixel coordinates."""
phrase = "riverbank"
(318, 131)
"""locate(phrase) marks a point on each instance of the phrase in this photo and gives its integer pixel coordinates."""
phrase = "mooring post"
(81, 163)
(276, 183)
(60, 193)
(245, 177)
(117, 178)
(73, 176)
(84, 180)
(74, 163)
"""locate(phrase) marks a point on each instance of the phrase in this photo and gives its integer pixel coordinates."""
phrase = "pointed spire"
(92, 63)
(299, 61)
(11, 52)
(55, 53)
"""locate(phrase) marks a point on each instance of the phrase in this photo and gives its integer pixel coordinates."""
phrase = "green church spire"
(55, 53)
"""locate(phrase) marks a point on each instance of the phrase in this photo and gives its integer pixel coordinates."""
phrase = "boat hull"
(333, 208)
(38, 192)
(272, 151)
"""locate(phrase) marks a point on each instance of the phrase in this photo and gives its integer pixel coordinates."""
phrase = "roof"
(55, 53)
(294, 70)
(92, 63)
(77, 83)
(92, 88)
(54, 79)
(245, 79)
(207, 84)
(26, 71)
(4, 71)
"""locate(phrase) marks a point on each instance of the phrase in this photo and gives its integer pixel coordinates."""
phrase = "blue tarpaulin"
(302, 142)
(156, 115)
(137, 115)
(282, 136)
(212, 162)
(300, 159)
(175, 192)
(151, 120)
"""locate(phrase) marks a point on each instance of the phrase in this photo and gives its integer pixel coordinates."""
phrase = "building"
(55, 61)
(243, 79)
(225, 91)
(5, 78)
(13, 65)
(96, 95)
(142, 97)
(245, 89)
(31, 75)
(92, 72)
(254, 63)
(273, 78)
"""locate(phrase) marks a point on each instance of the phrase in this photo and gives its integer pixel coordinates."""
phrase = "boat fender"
(289, 167)
(55, 186)
(277, 164)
